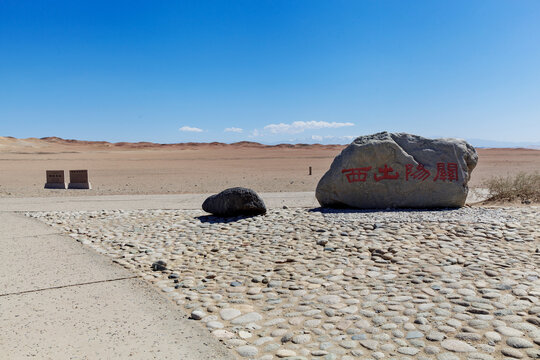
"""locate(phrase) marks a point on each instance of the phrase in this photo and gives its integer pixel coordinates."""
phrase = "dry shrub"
(523, 186)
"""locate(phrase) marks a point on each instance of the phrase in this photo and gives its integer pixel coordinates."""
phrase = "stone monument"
(398, 170)
(78, 179)
(235, 201)
(55, 179)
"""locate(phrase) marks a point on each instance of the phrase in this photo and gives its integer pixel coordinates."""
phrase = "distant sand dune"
(14, 144)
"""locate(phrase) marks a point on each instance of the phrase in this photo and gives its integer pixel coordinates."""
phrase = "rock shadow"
(213, 219)
(348, 210)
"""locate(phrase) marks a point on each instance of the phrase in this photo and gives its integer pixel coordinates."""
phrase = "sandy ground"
(143, 168)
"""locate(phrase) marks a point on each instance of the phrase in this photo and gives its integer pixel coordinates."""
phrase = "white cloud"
(316, 137)
(234, 129)
(190, 129)
(300, 126)
(341, 139)
(332, 137)
(255, 133)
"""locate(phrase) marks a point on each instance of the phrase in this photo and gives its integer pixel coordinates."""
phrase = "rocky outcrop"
(399, 170)
(235, 201)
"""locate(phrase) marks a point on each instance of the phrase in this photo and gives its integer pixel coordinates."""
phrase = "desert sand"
(147, 168)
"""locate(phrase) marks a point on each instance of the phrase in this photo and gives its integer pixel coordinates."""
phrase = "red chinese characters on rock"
(385, 171)
(356, 174)
(445, 172)
(421, 172)
(448, 172)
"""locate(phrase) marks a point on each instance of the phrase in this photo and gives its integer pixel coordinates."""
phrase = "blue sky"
(269, 71)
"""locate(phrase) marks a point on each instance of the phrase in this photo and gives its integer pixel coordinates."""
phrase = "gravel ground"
(297, 283)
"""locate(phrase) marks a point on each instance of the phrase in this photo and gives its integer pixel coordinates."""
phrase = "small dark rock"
(159, 265)
(197, 315)
(478, 311)
(236, 283)
(173, 276)
(286, 338)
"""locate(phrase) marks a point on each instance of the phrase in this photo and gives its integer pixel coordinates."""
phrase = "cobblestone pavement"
(298, 283)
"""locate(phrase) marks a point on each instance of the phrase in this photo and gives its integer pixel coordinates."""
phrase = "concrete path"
(133, 202)
(60, 300)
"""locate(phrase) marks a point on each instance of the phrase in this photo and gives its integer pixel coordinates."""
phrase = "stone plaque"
(399, 170)
(55, 179)
(78, 176)
(78, 179)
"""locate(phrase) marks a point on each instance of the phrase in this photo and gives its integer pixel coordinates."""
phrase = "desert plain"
(301, 282)
(146, 168)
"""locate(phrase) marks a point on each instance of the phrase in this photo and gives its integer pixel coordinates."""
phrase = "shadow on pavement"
(212, 219)
(346, 210)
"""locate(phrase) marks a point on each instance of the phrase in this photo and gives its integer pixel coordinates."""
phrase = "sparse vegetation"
(523, 186)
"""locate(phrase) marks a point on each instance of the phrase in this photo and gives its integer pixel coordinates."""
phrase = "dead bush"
(522, 186)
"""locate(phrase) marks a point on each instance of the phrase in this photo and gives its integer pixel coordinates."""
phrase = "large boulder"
(235, 201)
(399, 170)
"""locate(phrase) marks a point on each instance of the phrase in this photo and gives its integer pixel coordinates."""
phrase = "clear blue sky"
(269, 71)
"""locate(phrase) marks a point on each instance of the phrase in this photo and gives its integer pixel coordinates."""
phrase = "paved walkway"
(60, 300)
(132, 202)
